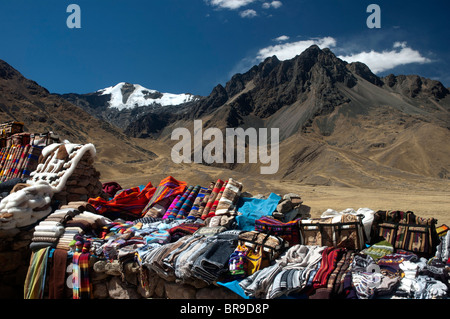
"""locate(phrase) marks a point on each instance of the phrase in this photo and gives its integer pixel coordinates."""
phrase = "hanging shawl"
(35, 279)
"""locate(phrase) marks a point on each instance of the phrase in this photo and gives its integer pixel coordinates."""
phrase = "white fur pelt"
(26, 206)
(31, 204)
(54, 168)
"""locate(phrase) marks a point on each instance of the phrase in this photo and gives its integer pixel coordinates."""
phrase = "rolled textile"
(31, 161)
(47, 239)
(57, 230)
(187, 205)
(55, 234)
(212, 198)
(21, 164)
(194, 212)
(205, 200)
(229, 198)
(171, 207)
(179, 204)
(212, 211)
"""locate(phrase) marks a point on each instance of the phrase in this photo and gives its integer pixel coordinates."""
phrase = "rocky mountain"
(125, 103)
(339, 123)
(24, 100)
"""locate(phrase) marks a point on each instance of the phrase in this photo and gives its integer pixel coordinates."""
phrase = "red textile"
(130, 201)
(133, 201)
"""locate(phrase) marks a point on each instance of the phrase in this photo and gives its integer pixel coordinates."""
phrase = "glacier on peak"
(127, 96)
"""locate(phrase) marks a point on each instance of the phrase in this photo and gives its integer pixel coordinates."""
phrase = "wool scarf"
(57, 277)
(82, 286)
(37, 271)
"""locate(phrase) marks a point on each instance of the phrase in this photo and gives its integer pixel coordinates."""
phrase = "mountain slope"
(26, 101)
(337, 121)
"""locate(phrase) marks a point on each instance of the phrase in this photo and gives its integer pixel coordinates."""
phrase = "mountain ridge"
(340, 124)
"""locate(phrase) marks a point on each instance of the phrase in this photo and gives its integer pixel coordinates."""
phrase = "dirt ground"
(424, 196)
(430, 201)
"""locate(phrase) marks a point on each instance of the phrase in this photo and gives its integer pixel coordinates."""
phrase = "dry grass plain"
(426, 197)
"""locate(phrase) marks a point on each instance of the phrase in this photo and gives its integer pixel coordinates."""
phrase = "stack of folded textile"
(46, 234)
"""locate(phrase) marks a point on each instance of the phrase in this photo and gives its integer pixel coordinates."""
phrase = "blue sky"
(189, 46)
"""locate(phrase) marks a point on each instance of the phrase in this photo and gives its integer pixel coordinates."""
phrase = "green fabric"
(379, 250)
(35, 279)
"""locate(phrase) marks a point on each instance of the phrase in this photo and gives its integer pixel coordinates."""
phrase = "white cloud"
(386, 60)
(229, 4)
(249, 13)
(399, 44)
(281, 38)
(377, 61)
(289, 50)
(273, 4)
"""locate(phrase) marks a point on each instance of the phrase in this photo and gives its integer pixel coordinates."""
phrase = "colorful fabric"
(171, 207)
(205, 199)
(167, 189)
(212, 198)
(179, 204)
(18, 161)
(194, 212)
(184, 229)
(158, 236)
(128, 203)
(238, 262)
(288, 231)
(188, 203)
(390, 264)
(379, 250)
(330, 258)
(82, 286)
(250, 209)
(212, 211)
(230, 196)
(35, 280)
(442, 230)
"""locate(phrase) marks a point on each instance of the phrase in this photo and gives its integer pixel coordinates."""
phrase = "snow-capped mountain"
(125, 103)
(128, 96)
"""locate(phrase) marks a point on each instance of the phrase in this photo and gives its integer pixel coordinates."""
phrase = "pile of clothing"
(196, 234)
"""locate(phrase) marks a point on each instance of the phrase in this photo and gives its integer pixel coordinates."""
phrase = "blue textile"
(234, 287)
(250, 209)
